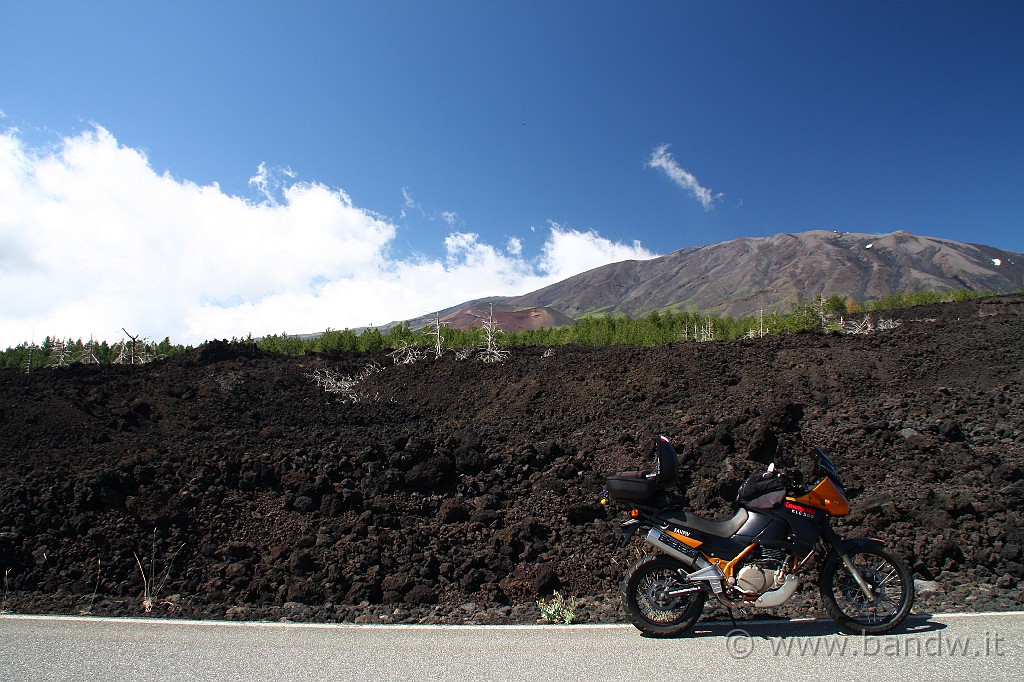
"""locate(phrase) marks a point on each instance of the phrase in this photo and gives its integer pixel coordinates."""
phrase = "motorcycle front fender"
(857, 544)
(842, 547)
(841, 551)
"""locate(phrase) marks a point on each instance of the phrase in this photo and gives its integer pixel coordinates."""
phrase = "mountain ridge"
(740, 276)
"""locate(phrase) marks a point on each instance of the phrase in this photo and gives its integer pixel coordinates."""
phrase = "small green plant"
(7, 582)
(151, 585)
(558, 610)
(87, 610)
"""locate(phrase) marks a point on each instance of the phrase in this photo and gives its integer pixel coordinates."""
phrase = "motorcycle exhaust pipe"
(677, 550)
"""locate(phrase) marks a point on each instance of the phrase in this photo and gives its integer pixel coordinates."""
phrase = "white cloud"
(270, 182)
(93, 240)
(665, 162)
(409, 202)
(570, 252)
(451, 218)
(515, 246)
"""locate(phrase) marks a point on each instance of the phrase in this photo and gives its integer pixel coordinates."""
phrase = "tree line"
(56, 352)
(657, 327)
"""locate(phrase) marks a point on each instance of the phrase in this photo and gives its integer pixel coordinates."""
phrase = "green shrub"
(558, 610)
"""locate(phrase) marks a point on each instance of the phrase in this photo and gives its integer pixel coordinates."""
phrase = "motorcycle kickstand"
(729, 610)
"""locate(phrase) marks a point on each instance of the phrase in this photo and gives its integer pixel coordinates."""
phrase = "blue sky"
(524, 139)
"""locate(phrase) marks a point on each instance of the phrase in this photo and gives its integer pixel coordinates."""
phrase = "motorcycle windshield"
(830, 469)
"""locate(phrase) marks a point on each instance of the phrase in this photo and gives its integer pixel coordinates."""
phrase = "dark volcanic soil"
(461, 491)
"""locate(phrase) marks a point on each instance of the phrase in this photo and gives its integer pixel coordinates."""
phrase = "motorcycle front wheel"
(658, 599)
(890, 580)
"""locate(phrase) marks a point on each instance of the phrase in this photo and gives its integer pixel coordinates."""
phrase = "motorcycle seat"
(722, 529)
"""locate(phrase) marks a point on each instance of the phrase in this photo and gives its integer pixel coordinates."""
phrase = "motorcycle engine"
(763, 573)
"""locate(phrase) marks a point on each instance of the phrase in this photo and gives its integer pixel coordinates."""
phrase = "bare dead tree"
(134, 340)
(868, 325)
(344, 385)
(761, 330)
(491, 352)
(139, 352)
(28, 363)
(704, 332)
(435, 331)
(88, 354)
(59, 354)
(405, 354)
(123, 355)
(865, 326)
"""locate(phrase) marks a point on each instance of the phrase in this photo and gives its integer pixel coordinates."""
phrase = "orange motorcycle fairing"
(825, 496)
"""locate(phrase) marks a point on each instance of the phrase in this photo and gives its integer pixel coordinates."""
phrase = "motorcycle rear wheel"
(888, 576)
(649, 604)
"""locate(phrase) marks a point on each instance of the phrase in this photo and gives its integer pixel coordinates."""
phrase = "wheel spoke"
(883, 578)
(889, 576)
(655, 599)
(888, 579)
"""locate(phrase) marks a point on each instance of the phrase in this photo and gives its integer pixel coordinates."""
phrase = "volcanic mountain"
(779, 272)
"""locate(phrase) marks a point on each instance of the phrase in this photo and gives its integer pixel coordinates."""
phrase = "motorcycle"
(781, 530)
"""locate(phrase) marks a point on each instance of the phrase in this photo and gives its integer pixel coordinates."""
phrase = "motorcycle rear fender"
(626, 532)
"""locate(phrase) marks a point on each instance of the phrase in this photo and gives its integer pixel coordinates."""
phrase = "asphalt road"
(939, 647)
